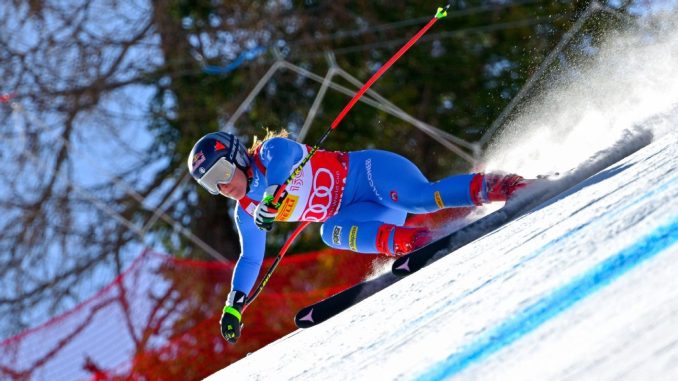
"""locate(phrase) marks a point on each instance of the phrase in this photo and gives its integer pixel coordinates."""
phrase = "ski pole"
(440, 13)
(275, 263)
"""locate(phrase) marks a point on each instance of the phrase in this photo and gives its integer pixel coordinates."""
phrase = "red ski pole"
(440, 13)
(275, 264)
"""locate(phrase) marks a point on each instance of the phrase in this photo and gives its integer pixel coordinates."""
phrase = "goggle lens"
(221, 173)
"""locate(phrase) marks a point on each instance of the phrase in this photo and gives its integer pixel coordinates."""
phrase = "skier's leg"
(397, 183)
(367, 227)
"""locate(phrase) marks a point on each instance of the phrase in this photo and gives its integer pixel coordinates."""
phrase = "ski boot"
(405, 239)
(491, 187)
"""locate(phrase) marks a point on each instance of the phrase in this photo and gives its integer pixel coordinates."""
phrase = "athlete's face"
(237, 188)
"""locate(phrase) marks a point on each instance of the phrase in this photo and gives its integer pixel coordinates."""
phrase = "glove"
(231, 317)
(267, 210)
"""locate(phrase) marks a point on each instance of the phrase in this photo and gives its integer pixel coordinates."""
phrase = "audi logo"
(321, 197)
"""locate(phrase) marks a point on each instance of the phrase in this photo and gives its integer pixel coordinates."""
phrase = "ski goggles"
(221, 173)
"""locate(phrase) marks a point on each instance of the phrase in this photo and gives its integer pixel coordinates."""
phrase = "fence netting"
(159, 320)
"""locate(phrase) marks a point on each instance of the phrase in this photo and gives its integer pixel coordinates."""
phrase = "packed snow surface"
(582, 287)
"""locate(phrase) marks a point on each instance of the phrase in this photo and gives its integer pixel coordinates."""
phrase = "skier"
(361, 197)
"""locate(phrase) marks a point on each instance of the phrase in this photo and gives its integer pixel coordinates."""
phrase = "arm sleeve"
(279, 155)
(252, 246)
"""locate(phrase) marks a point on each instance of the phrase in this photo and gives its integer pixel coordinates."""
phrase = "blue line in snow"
(558, 301)
(571, 234)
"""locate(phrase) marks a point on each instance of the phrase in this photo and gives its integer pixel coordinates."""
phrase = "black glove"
(231, 317)
(267, 210)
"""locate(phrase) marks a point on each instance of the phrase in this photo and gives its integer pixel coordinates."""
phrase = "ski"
(543, 190)
(320, 311)
(421, 257)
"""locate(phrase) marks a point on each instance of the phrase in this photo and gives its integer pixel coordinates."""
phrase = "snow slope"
(583, 287)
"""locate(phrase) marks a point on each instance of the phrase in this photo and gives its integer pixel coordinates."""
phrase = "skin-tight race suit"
(352, 193)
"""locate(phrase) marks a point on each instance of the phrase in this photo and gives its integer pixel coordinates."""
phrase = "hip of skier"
(362, 199)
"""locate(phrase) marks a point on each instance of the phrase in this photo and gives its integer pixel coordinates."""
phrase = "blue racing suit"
(371, 188)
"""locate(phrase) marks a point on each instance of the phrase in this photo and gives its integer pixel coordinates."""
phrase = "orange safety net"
(159, 320)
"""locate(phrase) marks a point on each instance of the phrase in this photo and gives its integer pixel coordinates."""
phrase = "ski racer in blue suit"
(362, 199)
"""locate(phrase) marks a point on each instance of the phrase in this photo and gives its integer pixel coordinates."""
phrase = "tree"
(118, 92)
(73, 69)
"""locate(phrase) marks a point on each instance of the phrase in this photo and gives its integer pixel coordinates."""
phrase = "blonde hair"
(269, 134)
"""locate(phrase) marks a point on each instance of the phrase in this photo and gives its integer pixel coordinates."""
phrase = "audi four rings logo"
(321, 196)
